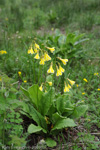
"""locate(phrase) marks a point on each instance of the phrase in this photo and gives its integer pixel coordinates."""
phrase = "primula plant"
(51, 111)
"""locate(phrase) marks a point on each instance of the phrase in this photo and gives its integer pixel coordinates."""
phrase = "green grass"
(21, 23)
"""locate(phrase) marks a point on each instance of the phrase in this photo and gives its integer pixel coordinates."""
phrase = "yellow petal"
(83, 93)
(50, 70)
(59, 73)
(66, 89)
(41, 88)
(30, 51)
(42, 61)
(61, 69)
(25, 81)
(64, 61)
(37, 46)
(71, 82)
(50, 83)
(35, 50)
(37, 56)
(51, 49)
(19, 73)
(3, 52)
(47, 57)
(85, 80)
(69, 86)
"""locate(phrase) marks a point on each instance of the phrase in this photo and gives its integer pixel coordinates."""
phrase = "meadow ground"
(73, 28)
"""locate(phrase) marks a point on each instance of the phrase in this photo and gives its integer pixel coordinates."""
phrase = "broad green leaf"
(51, 110)
(63, 123)
(35, 94)
(70, 38)
(60, 104)
(57, 32)
(50, 142)
(37, 117)
(49, 78)
(25, 107)
(33, 129)
(56, 117)
(68, 109)
(68, 104)
(25, 92)
(78, 36)
(80, 41)
(46, 102)
(79, 111)
(62, 40)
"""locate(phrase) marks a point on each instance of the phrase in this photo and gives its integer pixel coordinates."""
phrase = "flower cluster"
(55, 64)
(3, 52)
(69, 84)
(41, 87)
(42, 55)
(96, 74)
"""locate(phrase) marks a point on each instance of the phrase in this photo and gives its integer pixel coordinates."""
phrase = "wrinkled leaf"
(33, 128)
(46, 102)
(37, 117)
(35, 94)
(63, 123)
(50, 142)
(79, 111)
(56, 117)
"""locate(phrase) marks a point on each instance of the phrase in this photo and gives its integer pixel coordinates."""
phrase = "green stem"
(54, 76)
(39, 78)
(34, 76)
(3, 134)
(58, 83)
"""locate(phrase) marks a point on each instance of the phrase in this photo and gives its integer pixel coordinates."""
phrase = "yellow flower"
(25, 81)
(51, 49)
(19, 73)
(82, 101)
(0, 79)
(83, 93)
(52, 29)
(41, 88)
(77, 85)
(66, 89)
(71, 82)
(37, 56)
(96, 74)
(59, 73)
(37, 46)
(98, 89)
(30, 51)
(3, 52)
(50, 70)
(35, 50)
(61, 69)
(69, 86)
(47, 57)
(50, 83)
(85, 80)
(89, 120)
(42, 61)
(64, 61)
